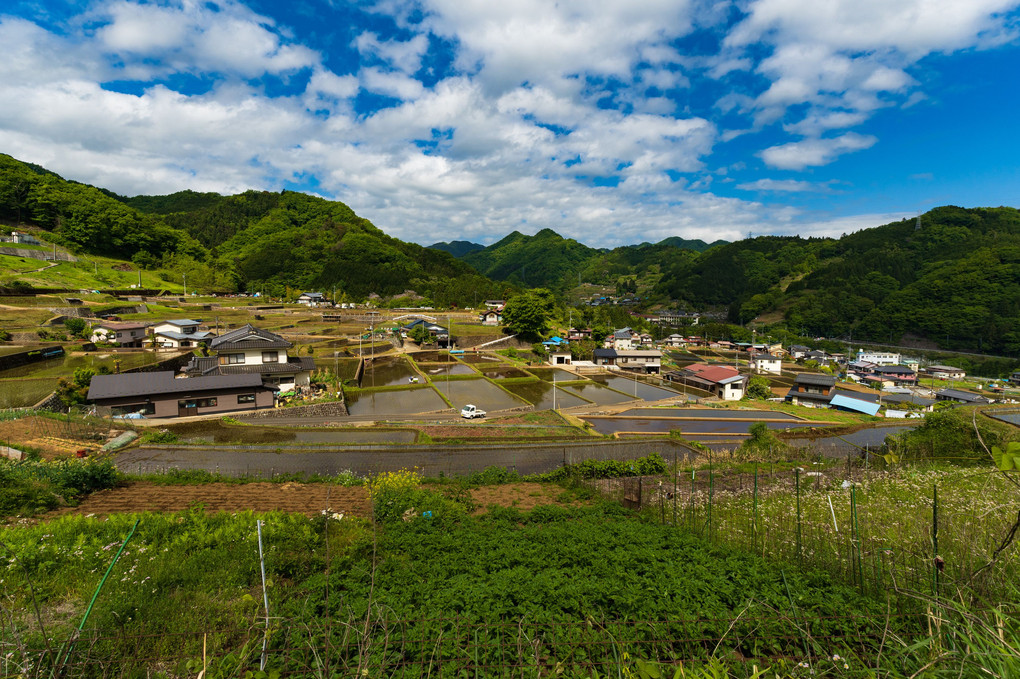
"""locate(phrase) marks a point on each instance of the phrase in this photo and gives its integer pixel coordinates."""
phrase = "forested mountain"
(457, 248)
(550, 260)
(955, 280)
(252, 241)
(697, 245)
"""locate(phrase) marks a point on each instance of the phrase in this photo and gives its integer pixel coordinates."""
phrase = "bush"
(607, 469)
(33, 486)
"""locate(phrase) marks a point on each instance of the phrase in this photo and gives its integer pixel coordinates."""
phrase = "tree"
(421, 335)
(77, 327)
(74, 391)
(758, 388)
(527, 314)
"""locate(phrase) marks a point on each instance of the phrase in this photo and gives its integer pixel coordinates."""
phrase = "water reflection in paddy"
(690, 428)
(598, 393)
(384, 373)
(481, 393)
(548, 373)
(402, 402)
(434, 370)
(504, 373)
(541, 395)
(636, 388)
(256, 435)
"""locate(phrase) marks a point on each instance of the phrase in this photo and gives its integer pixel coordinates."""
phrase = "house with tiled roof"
(254, 351)
(180, 333)
(722, 381)
(124, 334)
(637, 360)
(812, 389)
(159, 394)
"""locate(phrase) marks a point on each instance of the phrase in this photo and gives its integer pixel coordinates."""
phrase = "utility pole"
(185, 284)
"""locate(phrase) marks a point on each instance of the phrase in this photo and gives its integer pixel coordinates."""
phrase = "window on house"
(206, 402)
(246, 398)
(270, 357)
(119, 334)
(228, 359)
(143, 408)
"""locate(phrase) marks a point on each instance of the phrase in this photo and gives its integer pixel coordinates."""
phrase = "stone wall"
(330, 409)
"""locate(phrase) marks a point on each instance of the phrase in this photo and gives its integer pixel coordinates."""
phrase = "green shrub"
(606, 469)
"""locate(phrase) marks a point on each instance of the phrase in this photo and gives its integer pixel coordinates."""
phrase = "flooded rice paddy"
(540, 394)
(401, 402)
(481, 393)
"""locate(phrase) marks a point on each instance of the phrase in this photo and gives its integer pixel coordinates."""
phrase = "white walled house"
(878, 357)
(767, 363)
(251, 350)
(181, 333)
(123, 334)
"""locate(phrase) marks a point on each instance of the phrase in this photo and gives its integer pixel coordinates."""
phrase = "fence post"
(754, 514)
(799, 550)
(935, 561)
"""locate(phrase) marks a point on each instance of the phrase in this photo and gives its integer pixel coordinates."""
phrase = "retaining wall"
(331, 409)
(366, 460)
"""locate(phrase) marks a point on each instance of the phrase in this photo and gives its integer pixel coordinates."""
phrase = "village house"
(798, 351)
(159, 394)
(897, 374)
(579, 334)
(637, 360)
(491, 316)
(179, 333)
(723, 382)
(311, 298)
(944, 372)
(766, 363)
(252, 351)
(560, 356)
(878, 357)
(623, 339)
(436, 332)
(961, 396)
(812, 389)
(675, 341)
(123, 334)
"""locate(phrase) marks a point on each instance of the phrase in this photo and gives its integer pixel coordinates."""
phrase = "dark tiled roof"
(156, 383)
(815, 379)
(249, 337)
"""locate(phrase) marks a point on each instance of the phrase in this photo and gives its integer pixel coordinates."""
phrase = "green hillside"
(543, 260)
(457, 248)
(954, 281)
(252, 241)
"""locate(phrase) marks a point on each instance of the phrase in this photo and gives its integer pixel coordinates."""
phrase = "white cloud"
(196, 38)
(391, 83)
(814, 152)
(848, 58)
(404, 56)
(784, 186)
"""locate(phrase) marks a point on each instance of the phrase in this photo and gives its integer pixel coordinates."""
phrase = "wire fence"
(936, 532)
(378, 646)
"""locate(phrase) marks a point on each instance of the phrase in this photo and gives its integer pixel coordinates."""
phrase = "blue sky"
(610, 122)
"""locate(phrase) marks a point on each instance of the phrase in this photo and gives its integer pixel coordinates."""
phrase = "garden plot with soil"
(292, 497)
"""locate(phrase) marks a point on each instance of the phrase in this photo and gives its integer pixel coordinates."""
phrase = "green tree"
(420, 334)
(74, 391)
(758, 388)
(77, 327)
(527, 314)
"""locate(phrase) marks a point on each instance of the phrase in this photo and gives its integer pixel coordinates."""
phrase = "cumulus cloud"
(784, 186)
(197, 38)
(814, 152)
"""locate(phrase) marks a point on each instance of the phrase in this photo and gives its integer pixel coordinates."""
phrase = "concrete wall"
(365, 460)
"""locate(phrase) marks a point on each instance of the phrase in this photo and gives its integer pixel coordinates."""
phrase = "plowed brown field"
(305, 498)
